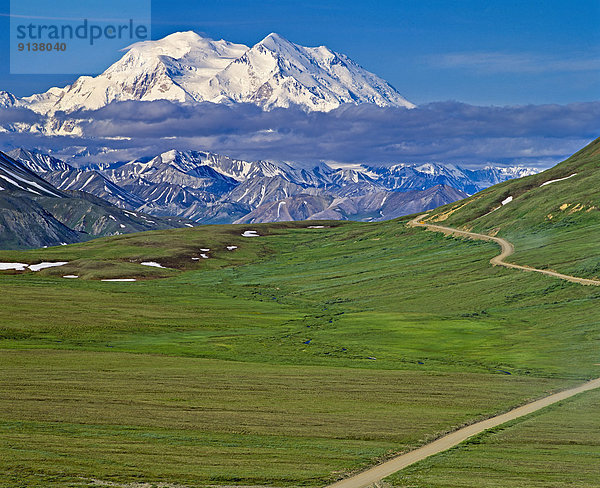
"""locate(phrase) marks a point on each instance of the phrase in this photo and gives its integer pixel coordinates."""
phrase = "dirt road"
(383, 470)
(377, 473)
(507, 250)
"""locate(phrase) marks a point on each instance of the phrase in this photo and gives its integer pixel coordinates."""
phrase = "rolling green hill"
(553, 218)
(302, 354)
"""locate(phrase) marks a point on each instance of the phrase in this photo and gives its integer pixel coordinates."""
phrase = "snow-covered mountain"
(64, 177)
(278, 73)
(39, 162)
(7, 99)
(212, 188)
(186, 67)
(404, 177)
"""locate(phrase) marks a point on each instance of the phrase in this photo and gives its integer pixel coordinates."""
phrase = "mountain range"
(185, 67)
(211, 188)
(35, 213)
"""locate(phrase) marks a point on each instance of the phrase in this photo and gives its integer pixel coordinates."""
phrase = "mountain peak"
(182, 45)
(274, 39)
(183, 37)
(275, 36)
(186, 67)
(189, 36)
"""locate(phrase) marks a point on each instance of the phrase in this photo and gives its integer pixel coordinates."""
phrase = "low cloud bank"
(449, 132)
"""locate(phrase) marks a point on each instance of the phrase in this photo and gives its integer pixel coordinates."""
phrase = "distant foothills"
(176, 189)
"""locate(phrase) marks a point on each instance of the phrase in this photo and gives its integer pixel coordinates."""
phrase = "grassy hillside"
(71, 416)
(555, 225)
(356, 291)
(300, 355)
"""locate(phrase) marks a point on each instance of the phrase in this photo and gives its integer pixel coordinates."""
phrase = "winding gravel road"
(507, 250)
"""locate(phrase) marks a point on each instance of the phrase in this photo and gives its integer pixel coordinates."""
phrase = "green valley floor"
(298, 357)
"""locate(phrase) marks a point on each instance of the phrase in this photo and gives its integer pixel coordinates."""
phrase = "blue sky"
(488, 53)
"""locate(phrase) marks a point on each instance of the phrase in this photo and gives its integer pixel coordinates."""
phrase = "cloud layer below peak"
(449, 132)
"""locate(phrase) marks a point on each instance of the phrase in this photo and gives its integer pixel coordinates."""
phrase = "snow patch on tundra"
(153, 264)
(559, 179)
(15, 266)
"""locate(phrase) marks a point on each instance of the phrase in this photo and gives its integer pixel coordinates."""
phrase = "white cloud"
(448, 132)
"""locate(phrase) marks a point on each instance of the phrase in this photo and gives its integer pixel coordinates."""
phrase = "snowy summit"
(186, 67)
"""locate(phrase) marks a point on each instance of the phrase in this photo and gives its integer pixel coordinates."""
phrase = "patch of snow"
(279, 208)
(189, 225)
(120, 279)
(195, 259)
(17, 185)
(507, 200)
(88, 181)
(559, 179)
(71, 276)
(153, 264)
(63, 243)
(27, 182)
(204, 256)
(316, 227)
(231, 248)
(428, 168)
(15, 266)
(112, 217)
(122, 226)
(250, 233)
(37, 267)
